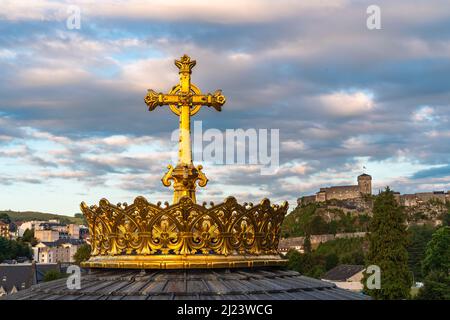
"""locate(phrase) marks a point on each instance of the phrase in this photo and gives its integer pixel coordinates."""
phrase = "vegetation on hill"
(327, 256)
(318, 218)
(421, 250)
(388, 240)
(32, 215)
(446, 216)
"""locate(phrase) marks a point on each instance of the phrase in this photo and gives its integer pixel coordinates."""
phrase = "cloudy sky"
(74, 127)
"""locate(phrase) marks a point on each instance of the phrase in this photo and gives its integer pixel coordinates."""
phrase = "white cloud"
(7, 54)
(293, 145)
(231, 11)
(39, 77)
(347, 104)
(423, 114)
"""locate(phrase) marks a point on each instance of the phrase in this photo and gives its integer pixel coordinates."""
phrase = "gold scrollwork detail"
(185, 228)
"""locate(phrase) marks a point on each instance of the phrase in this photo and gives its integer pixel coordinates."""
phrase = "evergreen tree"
(307, 243)
(446, 217)
(436, 266)
(5, 218)
(12, 249)
(419, 237)
(436, 287)
(437, 255)
(83, 253)
(28, 236)
(388, 239)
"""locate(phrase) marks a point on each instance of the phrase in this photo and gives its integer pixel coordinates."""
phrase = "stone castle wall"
(340, 193)
(296, 243)
(364, 186)
(411, 200)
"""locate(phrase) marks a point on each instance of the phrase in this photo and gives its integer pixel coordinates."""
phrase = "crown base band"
(183, 261)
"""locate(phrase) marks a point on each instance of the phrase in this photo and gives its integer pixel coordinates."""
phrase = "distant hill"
(33, 215)
(329, 217)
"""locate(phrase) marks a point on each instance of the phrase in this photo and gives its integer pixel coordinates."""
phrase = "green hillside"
(33, 215)
(322, 218)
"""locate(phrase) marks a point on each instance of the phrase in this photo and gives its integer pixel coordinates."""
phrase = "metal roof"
(199, 284)
(23, 275)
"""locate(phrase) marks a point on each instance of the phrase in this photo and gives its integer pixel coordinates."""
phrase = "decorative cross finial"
(185, 100)
(185, 64)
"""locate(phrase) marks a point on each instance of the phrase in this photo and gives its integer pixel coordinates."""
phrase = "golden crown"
(184, 235)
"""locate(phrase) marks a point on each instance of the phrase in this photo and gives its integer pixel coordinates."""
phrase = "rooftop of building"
(198, 284)
(62, 241)
(23, 275)
(342, 272)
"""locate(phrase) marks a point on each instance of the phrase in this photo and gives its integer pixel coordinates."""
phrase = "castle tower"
(365, 183)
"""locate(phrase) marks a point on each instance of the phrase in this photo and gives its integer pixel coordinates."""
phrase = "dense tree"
(446, 217)
(436, 266)
(331, 261)
(28, 236)
(307, 243)
(12, 249)
(437, 255)
(388, 240)
(419, 237)
(52, 275)
(436, 287)
(4, 217)
(83, 253)
(294, 259)
(303, 263)
(327, 256)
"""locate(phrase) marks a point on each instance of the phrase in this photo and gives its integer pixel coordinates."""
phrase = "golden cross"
(185, 100)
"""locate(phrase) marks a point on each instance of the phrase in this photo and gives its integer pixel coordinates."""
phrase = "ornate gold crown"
(184, 235)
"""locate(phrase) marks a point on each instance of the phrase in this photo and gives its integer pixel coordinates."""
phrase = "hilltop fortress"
(364, 187)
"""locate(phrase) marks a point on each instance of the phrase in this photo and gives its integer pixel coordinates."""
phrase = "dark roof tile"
(203, 284)
(342, 272)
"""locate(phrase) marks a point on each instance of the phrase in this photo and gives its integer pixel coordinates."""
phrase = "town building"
(73, 230)
(59, 251)
(30, 225)
(346, 276)
(4, 230)
(84, 232)
(17, 277)
(46, 235)
(50, 231)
